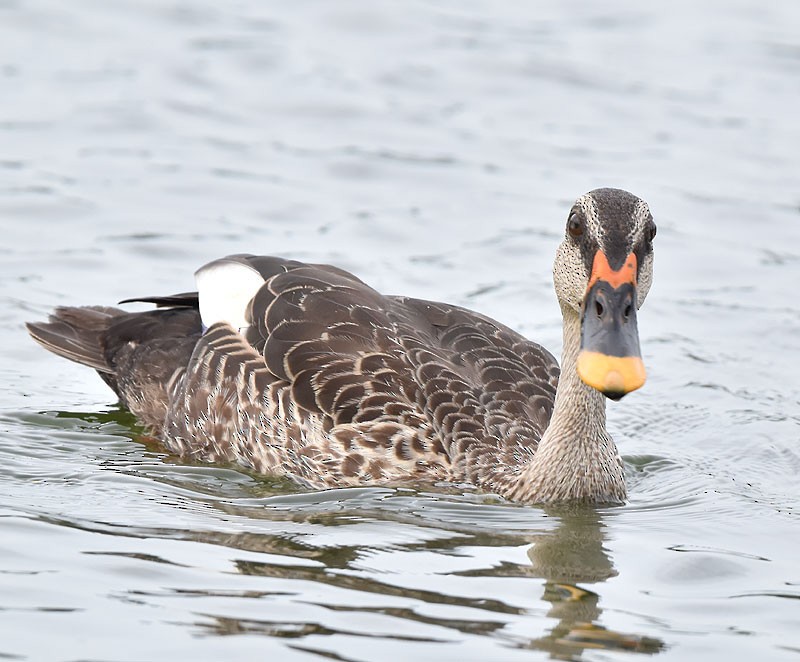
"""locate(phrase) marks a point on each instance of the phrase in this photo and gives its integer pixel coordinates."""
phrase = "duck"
(304, 371)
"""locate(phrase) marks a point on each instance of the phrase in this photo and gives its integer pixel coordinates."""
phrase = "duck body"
(305, 371)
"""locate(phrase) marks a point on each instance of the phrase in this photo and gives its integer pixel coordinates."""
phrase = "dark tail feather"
(76, 334)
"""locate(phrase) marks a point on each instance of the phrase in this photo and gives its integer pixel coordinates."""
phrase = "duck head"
(603, 271)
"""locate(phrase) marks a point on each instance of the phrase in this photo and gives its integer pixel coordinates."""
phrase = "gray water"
(433, 148)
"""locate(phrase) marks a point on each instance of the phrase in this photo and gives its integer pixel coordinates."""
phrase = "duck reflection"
(570, 555)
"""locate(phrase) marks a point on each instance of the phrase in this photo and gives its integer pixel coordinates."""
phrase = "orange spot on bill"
(601, 270)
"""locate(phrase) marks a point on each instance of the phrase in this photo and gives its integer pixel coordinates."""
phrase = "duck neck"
(576, 459)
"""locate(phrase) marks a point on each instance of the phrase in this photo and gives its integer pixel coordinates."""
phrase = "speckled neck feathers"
(577, 459)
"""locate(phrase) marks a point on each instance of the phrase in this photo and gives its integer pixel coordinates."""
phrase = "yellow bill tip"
(613, 376)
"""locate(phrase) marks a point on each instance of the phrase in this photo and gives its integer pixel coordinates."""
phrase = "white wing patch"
(225, 287)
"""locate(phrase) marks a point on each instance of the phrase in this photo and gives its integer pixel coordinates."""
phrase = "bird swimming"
(302, 370)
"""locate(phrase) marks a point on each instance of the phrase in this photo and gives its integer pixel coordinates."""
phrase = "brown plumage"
(333, 384)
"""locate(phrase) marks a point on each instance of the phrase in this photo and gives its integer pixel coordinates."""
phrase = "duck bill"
(610, 359)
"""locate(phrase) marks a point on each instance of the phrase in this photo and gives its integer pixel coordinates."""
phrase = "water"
(433, 148)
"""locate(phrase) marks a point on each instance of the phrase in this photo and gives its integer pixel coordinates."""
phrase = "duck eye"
(651, 231)
(575, 226)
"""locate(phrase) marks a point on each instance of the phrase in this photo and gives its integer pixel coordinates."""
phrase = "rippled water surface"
(433, 148)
